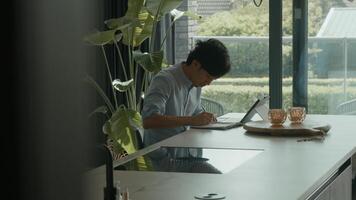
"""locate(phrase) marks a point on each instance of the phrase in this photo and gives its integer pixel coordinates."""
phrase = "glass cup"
(277, 116)
(296, 115)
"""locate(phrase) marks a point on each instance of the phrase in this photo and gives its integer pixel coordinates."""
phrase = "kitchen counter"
(285, 169)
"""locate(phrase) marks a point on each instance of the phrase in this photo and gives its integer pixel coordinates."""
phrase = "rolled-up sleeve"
(157, 96)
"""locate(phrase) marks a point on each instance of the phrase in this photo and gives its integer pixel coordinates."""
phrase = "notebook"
(224, 122)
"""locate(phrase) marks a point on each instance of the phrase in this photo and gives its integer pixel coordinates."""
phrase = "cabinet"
(339, 188)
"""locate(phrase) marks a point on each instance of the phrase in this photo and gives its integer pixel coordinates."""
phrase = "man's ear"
(196, 64)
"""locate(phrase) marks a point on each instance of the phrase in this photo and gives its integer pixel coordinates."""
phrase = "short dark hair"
(212, 55)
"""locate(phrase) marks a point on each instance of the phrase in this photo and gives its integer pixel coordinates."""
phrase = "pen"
(215, 119)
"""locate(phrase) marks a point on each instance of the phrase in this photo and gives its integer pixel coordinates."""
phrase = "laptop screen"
(251, 112)
(226, 122)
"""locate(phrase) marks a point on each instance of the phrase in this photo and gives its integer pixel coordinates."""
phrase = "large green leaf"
(136, 25)
(100, 38)
(122, 86)
(134, 7)
(107, 128)
(151, 62)
(135, 119)
(145, 31)
(141, 30)
(122, 23)
(153, 6)
(130, 19)
(123, 125)
(117, 148)
(139, 20)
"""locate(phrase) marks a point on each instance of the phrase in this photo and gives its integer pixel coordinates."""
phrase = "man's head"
(209, 60)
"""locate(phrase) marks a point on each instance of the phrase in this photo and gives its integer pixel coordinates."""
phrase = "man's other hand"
(203, 118)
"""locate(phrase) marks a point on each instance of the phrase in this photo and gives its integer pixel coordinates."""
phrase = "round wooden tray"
(306, 128)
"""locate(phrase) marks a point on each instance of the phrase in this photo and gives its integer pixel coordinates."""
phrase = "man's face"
(200, 77)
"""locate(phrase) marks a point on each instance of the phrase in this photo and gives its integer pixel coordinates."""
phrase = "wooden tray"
(306, 128)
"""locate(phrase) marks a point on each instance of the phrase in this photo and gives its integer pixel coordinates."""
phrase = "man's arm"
(154, 107)
(164, 121)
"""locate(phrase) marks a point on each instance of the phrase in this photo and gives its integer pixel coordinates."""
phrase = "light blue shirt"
(170, 93)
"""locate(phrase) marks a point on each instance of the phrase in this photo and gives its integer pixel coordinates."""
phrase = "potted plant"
(138, 24)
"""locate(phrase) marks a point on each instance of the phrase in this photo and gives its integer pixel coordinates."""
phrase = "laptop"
(224, 122)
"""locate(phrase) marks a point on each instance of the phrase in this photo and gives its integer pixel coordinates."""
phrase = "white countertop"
(286, 169)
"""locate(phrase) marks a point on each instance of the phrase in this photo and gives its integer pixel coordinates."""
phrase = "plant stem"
(122, 62)
(165, 36)
(131, 91)
(152, 36)
(142, 84)
(130, 52)
(108, 68)
(155, 21)
(124, 70)
(136, 72)
(101, 93)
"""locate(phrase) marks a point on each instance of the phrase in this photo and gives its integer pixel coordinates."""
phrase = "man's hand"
(203, 118)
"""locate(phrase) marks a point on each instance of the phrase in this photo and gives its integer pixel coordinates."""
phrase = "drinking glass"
(296, 115)
(277, 116)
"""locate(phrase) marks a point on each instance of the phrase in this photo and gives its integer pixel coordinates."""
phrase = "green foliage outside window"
(237, 94)
(251, 58)
(250, 20)
(239, 88)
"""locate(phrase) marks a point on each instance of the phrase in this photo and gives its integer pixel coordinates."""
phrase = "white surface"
(285, 170)
(225, 161)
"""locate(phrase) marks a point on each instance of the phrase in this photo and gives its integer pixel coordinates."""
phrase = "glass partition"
(192, 160)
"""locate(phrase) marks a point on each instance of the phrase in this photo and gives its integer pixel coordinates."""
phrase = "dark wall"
(50, 139)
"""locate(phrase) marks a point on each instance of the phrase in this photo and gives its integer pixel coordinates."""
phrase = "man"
(172, 103)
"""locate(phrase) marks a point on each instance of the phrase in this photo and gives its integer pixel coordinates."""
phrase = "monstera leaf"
(151, 62)
(103, 38)
(131, 17)
(121, 129)
(100, 38)
(142, 31)
(145, 30)
(121, 23)
(136, 25)
(133, 8)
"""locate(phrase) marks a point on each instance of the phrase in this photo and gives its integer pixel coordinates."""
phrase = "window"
(331, 62)
(244, 29)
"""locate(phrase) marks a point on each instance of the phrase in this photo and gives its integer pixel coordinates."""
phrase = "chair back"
(212, 106)
(347, 108)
